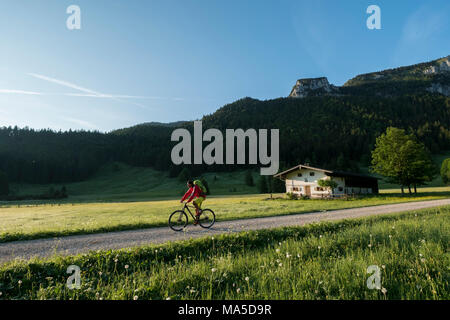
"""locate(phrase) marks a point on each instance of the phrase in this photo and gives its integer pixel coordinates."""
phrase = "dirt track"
(124, 239)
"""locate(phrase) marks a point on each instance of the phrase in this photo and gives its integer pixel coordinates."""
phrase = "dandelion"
(212, 238)
(192, 291)
(213, 270)
(100, 273)
(1, 293)
(238, 290)
(383, 266)
(116, 260)
(19, 282)
(280, 264)
(127, 266)
(135, 297)
(383, 290)
(168, 298)
(369, 245)
(420, 255)
(319, 247)
(247, 279)
(390, 236)
(224, 274)
(320, 236)
(277, 250)
(423, 260)
(298, 255)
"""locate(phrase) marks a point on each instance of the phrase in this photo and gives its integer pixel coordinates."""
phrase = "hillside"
(329, 126)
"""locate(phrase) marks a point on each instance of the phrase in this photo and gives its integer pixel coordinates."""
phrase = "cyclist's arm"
(195, 191)
(186, 195)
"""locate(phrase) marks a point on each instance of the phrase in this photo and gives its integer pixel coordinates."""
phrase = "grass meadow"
(30, 221)
(318, 261)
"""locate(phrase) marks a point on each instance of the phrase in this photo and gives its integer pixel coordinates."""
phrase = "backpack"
(200, 185)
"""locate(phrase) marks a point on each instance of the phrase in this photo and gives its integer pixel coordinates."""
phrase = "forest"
(335, 132)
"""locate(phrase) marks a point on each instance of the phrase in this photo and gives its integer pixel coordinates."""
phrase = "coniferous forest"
(333, 132)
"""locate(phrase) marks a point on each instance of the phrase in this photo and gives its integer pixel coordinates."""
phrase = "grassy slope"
(320, 261)
(37, 221)
(135, 183)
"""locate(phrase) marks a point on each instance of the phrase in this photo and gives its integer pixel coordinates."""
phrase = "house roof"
(333, 173)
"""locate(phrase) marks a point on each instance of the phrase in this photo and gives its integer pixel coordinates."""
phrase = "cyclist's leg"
(198, 204)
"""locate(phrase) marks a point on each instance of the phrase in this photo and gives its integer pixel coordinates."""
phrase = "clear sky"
(137, 61)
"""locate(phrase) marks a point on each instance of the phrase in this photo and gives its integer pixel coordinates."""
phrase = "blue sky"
(138, 61)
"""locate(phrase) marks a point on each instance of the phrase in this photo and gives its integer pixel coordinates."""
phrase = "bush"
(292, 196)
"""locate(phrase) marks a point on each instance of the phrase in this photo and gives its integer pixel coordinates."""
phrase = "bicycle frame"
(188, 210)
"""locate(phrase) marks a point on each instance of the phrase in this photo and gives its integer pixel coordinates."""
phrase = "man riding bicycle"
(195, 193)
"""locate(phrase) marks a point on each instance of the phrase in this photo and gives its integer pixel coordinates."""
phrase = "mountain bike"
(178, 220)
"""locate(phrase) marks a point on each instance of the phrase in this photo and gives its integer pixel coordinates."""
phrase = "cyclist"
(194, 193)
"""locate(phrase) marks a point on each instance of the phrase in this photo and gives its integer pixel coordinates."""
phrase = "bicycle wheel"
(207, 218)
(178, 220)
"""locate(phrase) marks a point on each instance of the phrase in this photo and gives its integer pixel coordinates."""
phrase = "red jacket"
(192, 193)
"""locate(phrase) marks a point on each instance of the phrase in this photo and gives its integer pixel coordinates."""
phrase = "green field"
(319, 261)
(120, 182)
(31, 221)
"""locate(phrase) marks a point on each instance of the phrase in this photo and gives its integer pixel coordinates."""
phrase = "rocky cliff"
(313, 87)
(432, 76)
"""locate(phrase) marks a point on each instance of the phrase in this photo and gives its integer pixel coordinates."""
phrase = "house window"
(311, 174)
(340, 189)
(320, 189)
(299, 175)
(306, 180)
(294, 189)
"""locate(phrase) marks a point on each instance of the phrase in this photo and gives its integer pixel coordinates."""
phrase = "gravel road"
(124, 239)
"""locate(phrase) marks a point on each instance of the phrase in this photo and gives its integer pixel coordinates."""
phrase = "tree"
(249, 178)
(262, 185)
(445, 171)
(402, 159)
(184, 175)
(4, 184)
(328, 184)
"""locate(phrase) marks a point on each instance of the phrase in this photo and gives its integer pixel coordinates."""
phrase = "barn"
(302, 180)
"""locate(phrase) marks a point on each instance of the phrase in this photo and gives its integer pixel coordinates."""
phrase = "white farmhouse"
(302, 180)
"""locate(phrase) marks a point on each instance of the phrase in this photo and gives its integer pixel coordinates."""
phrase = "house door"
(308, 190)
